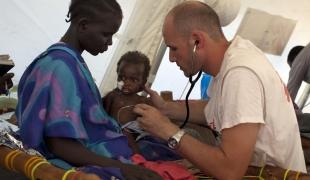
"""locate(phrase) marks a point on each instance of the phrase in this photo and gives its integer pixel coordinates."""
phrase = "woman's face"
(96, 36)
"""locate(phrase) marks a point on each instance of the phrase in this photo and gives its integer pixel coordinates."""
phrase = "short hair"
(293, 53)
(195, 14)
(136, 57)
(92, 8)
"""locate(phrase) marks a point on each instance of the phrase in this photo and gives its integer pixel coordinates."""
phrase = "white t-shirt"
(248, 90)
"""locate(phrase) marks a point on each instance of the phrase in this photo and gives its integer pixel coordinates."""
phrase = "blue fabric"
(154, 149)
(204, 84)
(58, 98)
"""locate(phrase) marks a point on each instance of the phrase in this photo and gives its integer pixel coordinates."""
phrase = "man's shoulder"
(243, 53)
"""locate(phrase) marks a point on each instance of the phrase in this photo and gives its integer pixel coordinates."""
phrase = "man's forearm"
(230, 159)
(177, 110)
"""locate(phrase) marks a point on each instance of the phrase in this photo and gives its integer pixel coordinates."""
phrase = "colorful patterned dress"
(57, 97)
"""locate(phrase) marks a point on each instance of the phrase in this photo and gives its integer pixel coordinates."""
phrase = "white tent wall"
(169, 77)
(28, 27)
(143, 33)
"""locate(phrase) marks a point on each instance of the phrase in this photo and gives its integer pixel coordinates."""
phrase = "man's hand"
(153, 121)
(135, 172)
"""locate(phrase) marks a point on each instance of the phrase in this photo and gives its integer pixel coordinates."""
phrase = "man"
(299, 61)
(249, 105)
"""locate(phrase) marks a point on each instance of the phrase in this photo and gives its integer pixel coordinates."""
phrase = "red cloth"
(167, 169)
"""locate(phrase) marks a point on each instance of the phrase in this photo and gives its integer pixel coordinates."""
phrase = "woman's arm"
(75, 153)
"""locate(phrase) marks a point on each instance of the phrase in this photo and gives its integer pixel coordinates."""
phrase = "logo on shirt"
(212, 124)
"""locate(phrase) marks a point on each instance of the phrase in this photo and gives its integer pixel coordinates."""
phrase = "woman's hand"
(75, 153)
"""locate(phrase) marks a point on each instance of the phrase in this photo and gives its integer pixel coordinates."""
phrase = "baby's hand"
(156, 99)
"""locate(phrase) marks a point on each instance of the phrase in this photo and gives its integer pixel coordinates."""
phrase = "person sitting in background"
(295, 78)
(6, 83)
(299, 61)
(59, 109)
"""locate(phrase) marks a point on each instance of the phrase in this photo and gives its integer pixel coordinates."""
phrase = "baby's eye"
(134, 79)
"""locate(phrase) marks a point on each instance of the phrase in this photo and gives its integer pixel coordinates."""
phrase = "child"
(132, 72)
(59, 106)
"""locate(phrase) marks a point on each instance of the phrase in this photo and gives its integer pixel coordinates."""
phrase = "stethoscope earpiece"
(195, 46)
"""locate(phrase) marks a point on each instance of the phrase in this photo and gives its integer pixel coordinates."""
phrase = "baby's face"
(132, 77)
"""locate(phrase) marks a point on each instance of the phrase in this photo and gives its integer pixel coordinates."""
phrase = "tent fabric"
(143, 33)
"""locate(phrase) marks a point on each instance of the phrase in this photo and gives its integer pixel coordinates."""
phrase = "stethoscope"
(192, 82)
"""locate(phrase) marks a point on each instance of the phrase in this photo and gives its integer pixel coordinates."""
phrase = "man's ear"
(197, 39)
